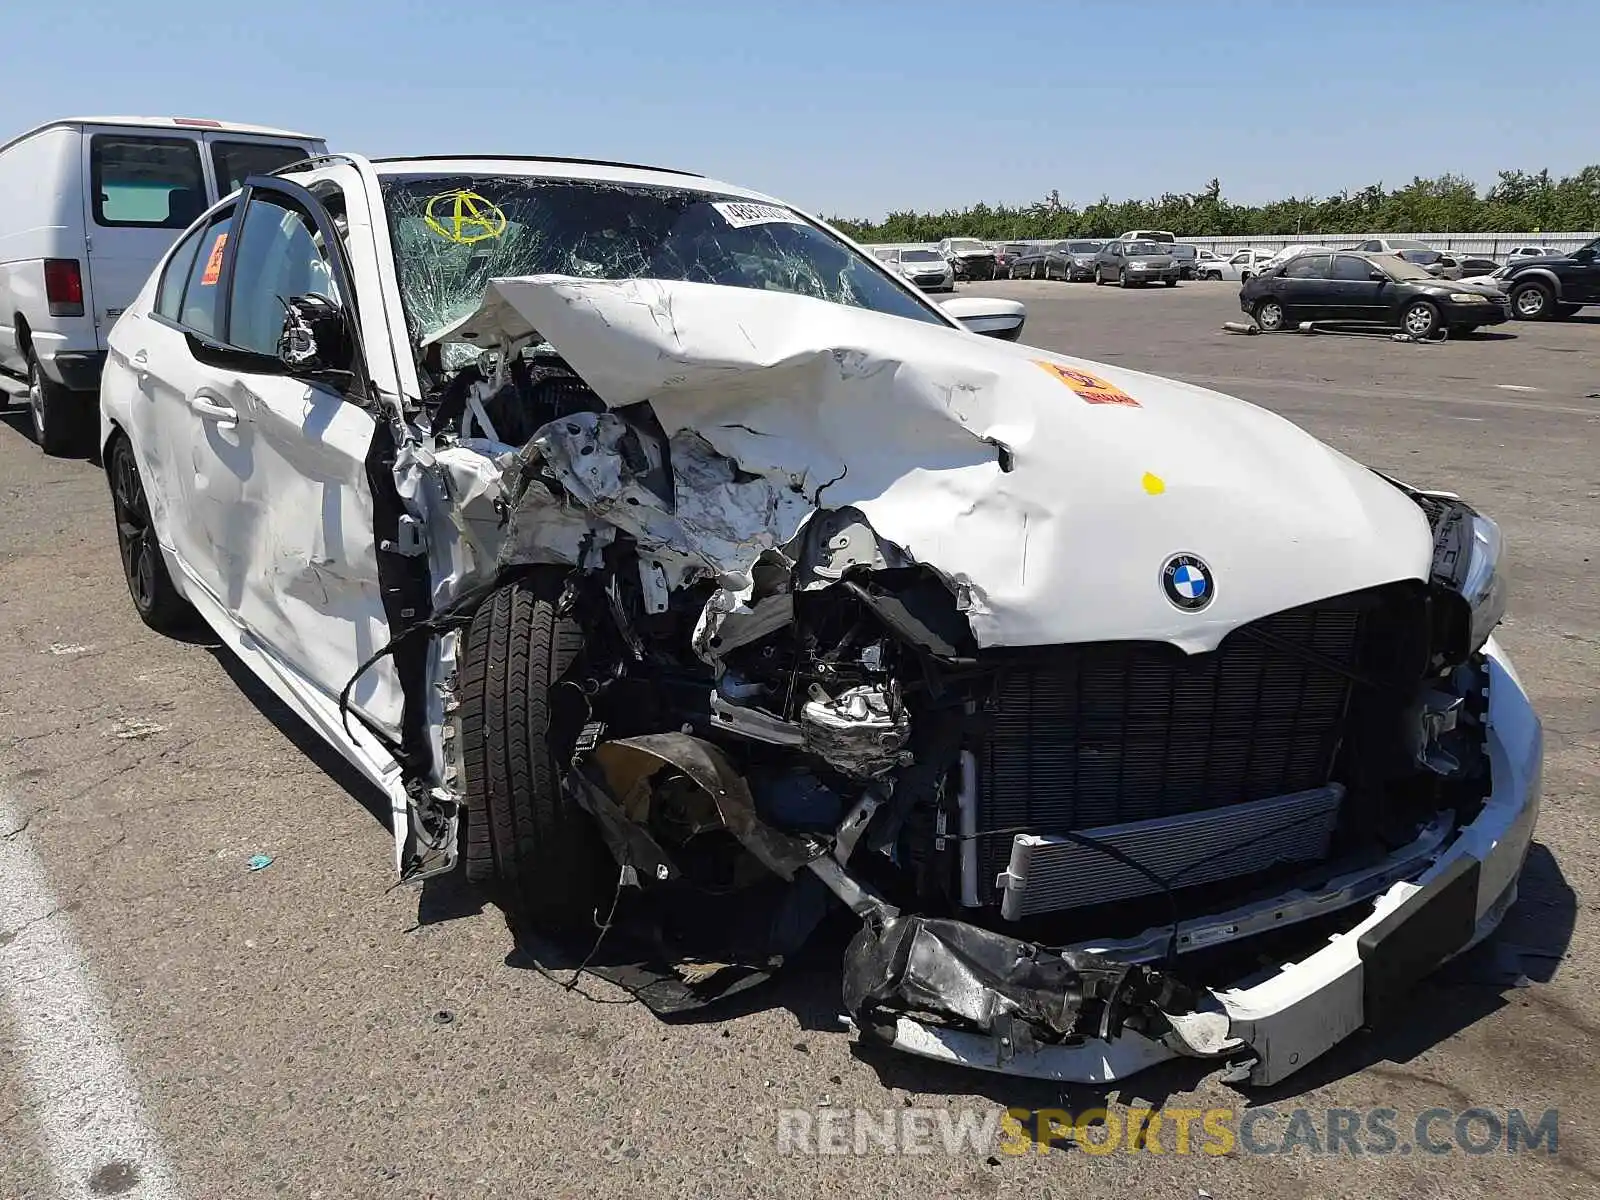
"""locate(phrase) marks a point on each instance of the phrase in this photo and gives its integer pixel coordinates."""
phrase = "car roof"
(539, 167)
(188, 124)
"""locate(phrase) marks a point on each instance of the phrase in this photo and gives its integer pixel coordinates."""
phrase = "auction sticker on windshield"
(1090, 388)
(740, 213)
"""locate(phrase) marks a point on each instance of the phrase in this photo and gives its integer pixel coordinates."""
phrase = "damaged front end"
(821, 666)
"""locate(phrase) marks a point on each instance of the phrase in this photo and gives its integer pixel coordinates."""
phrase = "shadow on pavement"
(304, 739)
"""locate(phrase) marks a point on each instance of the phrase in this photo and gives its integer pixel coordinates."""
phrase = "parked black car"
(1005, 258)
(1542, 289)
(1368, 289)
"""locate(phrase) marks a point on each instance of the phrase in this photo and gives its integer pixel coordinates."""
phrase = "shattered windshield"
(454, 233)
(968, 246)
(1144, 249)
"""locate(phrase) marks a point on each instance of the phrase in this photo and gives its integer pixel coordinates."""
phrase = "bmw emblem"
(1187, 582)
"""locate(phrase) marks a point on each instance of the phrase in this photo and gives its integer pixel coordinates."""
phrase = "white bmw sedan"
(683, 571)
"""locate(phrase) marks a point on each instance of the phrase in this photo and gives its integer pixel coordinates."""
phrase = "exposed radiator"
(1047, 874)
(1104, 734)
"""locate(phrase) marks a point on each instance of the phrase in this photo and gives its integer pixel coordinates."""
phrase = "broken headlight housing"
(1467, 552)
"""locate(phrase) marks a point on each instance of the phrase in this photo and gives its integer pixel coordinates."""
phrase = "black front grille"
(1098, 734)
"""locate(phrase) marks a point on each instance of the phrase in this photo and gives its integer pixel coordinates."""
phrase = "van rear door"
(145, 187)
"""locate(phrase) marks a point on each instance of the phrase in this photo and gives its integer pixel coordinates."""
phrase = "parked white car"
(713, 576)
(1517, 252)
(1239, 265)
(928, 269)
(1387, 245)
(1278, 258)
(88, 205)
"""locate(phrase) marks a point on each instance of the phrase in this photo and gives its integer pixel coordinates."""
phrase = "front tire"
(155, 596)
(522, 828)
(1533, 301)
(1271, 316)
(1420, 319)
(1122, 278)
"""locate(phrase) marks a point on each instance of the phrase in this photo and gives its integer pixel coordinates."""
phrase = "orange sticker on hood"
(1090, 388)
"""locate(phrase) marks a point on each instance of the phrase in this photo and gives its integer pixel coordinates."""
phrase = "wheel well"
(112, 438)
(24, 336)
(1538, 278)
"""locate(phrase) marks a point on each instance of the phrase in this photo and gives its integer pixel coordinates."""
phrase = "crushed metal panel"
(961, 452)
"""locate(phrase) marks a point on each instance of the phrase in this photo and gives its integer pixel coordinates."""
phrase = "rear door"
(145, 186)
(192, 504)
(1352, 293)
(298, 568)
(1302, 286)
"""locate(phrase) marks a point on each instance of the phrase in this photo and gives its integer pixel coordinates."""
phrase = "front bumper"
(975, 268)
(1409, 913)
(1476, 314)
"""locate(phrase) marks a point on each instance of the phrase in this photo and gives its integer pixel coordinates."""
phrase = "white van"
(1148, 235)
(88, 205)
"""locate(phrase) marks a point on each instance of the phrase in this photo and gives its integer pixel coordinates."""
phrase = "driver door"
(1581, 282)
(296, 566)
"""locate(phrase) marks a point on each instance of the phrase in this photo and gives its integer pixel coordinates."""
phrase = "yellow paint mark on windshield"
(464, 217)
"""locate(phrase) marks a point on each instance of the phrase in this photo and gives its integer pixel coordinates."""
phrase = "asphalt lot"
(309, 1030)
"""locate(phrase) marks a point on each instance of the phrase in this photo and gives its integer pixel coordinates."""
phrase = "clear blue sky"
(858, 108)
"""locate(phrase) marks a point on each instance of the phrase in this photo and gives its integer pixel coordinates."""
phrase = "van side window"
(169, 295)
(155, 182)
(234, 162)
(198, 310)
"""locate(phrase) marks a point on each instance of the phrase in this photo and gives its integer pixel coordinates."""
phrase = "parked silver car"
(925, 268)
(1135, 263)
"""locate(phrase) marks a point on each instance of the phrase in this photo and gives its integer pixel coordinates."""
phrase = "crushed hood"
(1052, 491)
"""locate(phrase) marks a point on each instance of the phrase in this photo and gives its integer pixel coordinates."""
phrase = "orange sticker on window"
(214, 263)
(1090, 388)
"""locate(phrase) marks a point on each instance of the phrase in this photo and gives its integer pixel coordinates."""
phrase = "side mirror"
(1377, 276)
(989, 316)
(315, 338)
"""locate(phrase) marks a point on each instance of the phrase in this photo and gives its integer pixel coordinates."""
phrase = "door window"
(1307, 266)
(169, 295)
(234, 162)
(1352, 269)
(197, 310)
(279, 257)
(154, 182)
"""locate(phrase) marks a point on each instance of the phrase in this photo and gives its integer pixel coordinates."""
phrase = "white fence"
(1488, 245)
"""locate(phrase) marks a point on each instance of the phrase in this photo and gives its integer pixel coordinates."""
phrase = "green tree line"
(1518, 201)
